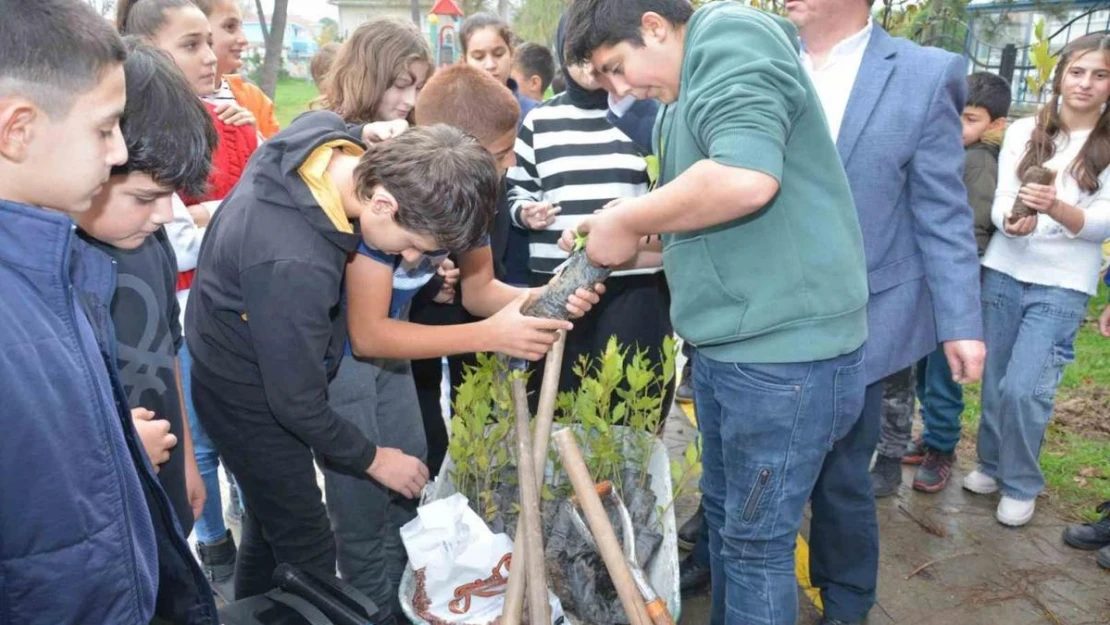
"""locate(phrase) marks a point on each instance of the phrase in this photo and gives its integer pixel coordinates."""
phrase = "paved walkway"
(946, 561)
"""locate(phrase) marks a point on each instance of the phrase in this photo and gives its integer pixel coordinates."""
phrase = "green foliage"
(481, 428)
(619, 388)
(616, 411)
(537, 21)
(1043, 61)
(327, 31)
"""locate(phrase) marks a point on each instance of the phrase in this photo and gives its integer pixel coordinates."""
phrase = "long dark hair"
(1094, 157)
(477, 22)
(145, 18)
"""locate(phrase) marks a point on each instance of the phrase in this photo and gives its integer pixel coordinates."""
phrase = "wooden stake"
(545, 415)
(528, 525)
(545, 412)
(598, 520)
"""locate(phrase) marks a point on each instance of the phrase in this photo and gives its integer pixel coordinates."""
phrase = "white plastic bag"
(462, 568)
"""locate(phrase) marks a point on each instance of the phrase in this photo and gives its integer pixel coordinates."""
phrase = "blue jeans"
(210, 526)
(942, 402)
(765, 432)
(1030, 332)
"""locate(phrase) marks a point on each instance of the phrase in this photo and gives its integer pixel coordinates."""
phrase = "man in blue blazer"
(894, 109)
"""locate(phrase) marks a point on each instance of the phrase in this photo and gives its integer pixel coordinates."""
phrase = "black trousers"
(635, 309)
(428, 375)
(284, 520)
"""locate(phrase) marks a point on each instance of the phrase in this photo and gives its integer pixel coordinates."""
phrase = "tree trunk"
(271, 64)
(414, 6)
(262, 20)
(503, 9)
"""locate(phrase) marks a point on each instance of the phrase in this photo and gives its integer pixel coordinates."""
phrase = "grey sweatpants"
(898, 409)
(378, 396)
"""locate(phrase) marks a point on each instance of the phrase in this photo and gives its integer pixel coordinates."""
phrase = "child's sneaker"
(932, 476)
(218, 559)
(915, 454)
(981, 483)
(1014, 513)
(1091, 536)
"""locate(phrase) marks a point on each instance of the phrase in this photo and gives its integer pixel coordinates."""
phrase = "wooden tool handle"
(513, 609)
(514, 593)
(545, 411)
(602, 530)
(529, 522)
(659, 614)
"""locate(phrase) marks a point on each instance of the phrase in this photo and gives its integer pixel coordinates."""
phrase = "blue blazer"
(901, 145)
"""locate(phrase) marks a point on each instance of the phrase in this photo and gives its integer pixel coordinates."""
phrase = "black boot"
(684, 394)
(218, 562)
(688, 533)
(694, 578)
(886, 476)
(1091, 536)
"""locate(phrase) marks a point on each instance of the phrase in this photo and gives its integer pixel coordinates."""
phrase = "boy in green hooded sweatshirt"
(764, 257)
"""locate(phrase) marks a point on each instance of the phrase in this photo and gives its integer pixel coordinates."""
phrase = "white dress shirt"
(834, 80)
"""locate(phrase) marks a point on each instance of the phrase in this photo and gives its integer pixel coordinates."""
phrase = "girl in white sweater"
(1040, 270)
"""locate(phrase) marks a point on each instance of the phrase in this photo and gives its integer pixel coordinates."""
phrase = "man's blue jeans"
(942, 402)
(1030, 333)
(765, 432)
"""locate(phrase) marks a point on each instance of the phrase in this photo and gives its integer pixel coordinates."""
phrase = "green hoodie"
(789, 282)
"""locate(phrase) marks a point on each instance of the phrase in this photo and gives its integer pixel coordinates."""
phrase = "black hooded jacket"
(266, 322)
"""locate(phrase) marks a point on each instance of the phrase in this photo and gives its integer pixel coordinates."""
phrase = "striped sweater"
(569, 154)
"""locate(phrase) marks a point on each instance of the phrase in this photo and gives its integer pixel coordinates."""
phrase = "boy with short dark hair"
(533, 69)
(267, 324)
(86, 533)
(984, 123)
(169, 139)
(755, 208)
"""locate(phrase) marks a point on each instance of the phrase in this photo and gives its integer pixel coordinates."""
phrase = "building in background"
(352, 13)
(298, 46)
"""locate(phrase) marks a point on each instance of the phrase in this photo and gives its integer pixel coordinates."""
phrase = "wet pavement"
(946, 561)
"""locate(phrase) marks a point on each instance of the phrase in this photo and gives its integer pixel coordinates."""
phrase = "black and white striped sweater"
(569, 154)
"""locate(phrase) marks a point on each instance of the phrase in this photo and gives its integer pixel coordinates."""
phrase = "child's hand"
(517, 336)
(377, 132)
(399, 471)
(582, 300)
(155, 435)
(1104, 322)
(538, 215)
(450, 275)
(1021, 226)
(1039, 197)
(232, 114)
(568, 240)
(200, 214)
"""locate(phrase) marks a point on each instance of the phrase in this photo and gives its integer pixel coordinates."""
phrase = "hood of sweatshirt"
(277, 177)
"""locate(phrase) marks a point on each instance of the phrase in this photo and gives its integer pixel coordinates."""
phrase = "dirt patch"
(1084, 411)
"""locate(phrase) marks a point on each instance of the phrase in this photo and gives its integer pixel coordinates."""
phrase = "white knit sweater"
(1050, 255)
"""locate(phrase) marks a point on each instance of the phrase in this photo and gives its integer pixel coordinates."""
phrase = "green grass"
(291, 99)
(1076, 466)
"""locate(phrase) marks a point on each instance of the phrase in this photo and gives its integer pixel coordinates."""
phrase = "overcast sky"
(312, 9)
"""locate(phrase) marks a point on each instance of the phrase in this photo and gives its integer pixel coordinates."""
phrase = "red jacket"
(234, 148)
(229, 161)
